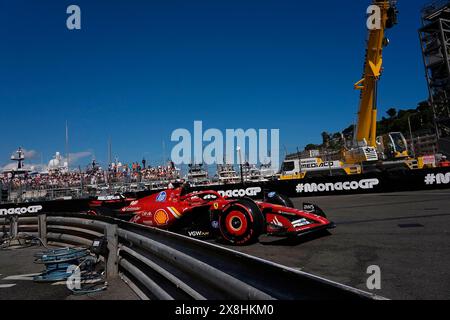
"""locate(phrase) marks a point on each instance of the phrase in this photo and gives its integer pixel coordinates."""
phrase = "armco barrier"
(162, 265)
(4, 227)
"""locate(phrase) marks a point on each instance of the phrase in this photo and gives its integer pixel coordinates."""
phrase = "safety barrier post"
(112, 263)
(42, 228)
(13, 226)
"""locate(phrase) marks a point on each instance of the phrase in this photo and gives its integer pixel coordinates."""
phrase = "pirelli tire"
(241, 223)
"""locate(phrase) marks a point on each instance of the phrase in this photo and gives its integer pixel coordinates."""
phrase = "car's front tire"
(241, 223)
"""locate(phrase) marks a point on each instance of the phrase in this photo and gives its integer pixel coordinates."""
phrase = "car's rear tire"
(241, 223)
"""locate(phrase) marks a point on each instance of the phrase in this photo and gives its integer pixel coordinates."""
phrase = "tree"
(349, 130)
(312, 146)
(325, 138)
(392, 112)
(336, 136)
(421, 118)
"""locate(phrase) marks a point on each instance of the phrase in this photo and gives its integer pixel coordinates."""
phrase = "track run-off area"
(405, 234)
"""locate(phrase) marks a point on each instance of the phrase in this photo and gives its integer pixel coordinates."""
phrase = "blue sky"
(139, 69)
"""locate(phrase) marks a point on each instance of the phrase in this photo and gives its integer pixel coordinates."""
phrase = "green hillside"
(394, 120)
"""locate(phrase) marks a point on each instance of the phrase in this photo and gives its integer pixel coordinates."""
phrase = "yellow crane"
(367, 116)
(386, 152)
(366, 145)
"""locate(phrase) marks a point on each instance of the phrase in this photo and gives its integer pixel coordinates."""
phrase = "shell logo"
(161, 217)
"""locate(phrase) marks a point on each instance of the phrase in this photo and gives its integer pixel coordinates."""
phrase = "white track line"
(21, 277)
(7, 286)
(64, 283)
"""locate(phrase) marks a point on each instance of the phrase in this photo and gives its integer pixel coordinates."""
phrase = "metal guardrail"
(162, 265)
(28, 225)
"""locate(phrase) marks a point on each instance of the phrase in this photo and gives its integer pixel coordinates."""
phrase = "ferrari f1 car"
(206, 214)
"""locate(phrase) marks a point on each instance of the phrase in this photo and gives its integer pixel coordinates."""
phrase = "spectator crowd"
(50, 180)
(93, 175)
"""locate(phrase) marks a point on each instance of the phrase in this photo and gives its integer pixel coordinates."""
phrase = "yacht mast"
(67, 146)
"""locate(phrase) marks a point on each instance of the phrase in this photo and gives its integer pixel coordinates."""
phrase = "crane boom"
(367, 115)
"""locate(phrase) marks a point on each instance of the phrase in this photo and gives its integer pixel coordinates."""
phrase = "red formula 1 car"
(207, 214)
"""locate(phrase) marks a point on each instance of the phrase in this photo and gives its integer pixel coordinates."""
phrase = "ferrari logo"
(161, 217)
(216, 205)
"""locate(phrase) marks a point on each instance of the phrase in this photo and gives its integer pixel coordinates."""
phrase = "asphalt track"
(406, 234)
